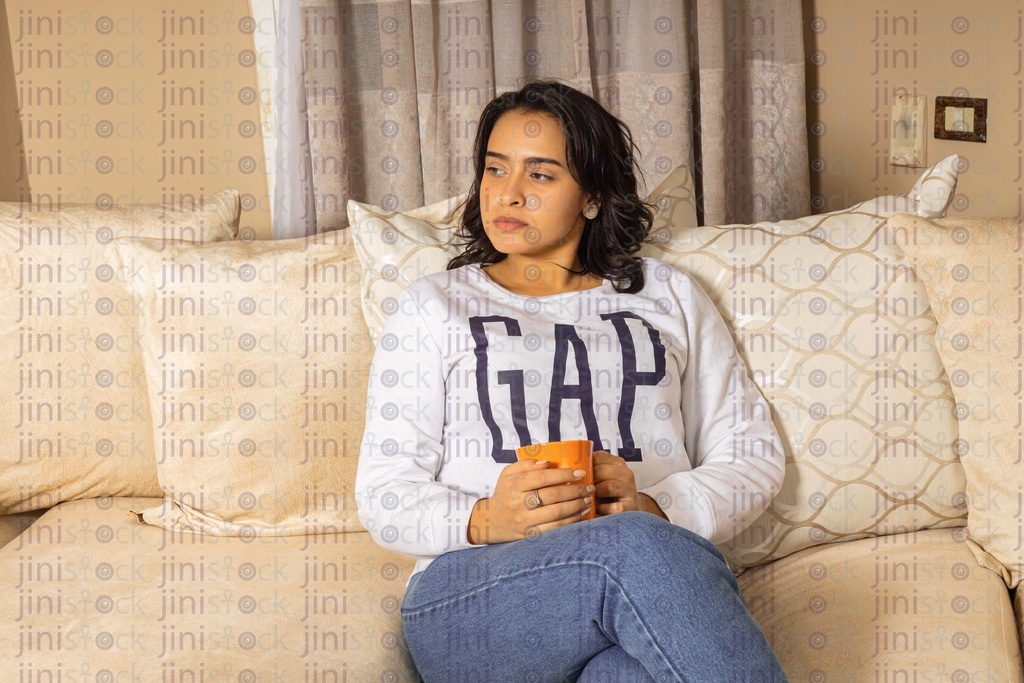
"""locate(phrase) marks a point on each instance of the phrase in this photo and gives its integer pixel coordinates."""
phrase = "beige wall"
(858, 56)
(860, 53)
(106, 88)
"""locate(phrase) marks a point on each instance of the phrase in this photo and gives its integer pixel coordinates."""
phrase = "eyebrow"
(529, 160)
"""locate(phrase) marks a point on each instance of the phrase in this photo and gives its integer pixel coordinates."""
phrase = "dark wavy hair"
(599, 149)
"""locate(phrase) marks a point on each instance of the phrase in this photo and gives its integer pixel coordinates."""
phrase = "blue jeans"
(627, 597)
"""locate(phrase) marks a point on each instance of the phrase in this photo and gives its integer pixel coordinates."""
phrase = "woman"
(547, 328)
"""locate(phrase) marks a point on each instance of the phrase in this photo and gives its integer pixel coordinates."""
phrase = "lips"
(508, 223)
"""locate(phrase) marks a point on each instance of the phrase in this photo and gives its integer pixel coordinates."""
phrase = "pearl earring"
(590, 212)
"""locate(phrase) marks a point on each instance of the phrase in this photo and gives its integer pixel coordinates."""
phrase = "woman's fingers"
(611, 488)
(539, 479)
(563, 492)
(513, 512)
(561, 514)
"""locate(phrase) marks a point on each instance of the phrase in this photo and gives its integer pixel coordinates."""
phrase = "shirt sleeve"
(399, 501)
(737, 457)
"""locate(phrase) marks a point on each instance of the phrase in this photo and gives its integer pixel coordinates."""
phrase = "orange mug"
(573, 455)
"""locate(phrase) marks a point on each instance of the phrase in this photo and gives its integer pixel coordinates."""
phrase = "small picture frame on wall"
(961, 118)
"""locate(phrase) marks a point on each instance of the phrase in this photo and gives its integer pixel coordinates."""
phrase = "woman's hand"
(616, 487)
(512, 513)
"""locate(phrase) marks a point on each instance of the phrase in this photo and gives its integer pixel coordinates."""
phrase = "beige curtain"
(394, 90)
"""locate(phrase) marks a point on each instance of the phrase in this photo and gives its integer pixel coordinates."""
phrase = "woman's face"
(530, 204)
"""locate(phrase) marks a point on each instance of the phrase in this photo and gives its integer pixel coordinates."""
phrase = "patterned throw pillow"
(76, 416)
(971, 269)
(396, 249)
(837, 333)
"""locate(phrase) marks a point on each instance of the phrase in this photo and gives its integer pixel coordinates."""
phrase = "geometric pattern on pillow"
(397, 248)
(838, 335)
(75, 415)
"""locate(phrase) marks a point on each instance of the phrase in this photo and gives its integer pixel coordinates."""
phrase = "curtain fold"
(393, 91)
(753, 136)
(294, 211)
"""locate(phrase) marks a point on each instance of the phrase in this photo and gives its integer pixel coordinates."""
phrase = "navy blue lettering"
(560, 391)
(513, 378)
(632, 378)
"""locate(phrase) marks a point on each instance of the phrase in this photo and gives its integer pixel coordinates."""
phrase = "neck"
(534, 277)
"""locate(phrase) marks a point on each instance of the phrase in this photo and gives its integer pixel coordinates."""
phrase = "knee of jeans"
(407, 599)
(647, 536)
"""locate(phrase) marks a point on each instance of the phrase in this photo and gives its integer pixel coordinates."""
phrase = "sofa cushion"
(838, 337)
(256, 359)
(971, 269)
(89, 589)
(76, 416)
(933, 192)
(676, 200)
(397, 248)
(907, 607)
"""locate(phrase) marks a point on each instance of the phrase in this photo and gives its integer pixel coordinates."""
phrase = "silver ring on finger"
(536, 502)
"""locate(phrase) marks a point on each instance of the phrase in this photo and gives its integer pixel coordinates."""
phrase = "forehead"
(522, 133)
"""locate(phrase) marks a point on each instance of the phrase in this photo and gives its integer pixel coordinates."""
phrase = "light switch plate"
(961, 118)
(909, 132)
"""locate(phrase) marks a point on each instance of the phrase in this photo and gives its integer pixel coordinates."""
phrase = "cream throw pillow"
(256, 360)
(972, 271)
(75, 414)
(397, 248)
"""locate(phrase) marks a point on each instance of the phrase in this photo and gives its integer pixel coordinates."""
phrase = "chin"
(503, 246)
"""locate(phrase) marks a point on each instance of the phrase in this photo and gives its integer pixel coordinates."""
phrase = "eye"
(493, 170)
(541, 176)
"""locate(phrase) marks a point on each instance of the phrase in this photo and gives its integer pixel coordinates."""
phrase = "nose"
(511, 193)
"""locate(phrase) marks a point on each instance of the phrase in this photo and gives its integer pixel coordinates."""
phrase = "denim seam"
(647, 631)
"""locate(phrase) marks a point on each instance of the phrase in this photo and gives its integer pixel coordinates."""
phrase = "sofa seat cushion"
(89, 588)
(913, 607)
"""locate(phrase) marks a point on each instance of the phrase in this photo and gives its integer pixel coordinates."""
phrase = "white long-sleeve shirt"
(466, 371)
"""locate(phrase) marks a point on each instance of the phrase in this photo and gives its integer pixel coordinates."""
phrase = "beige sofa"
(254, 567)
